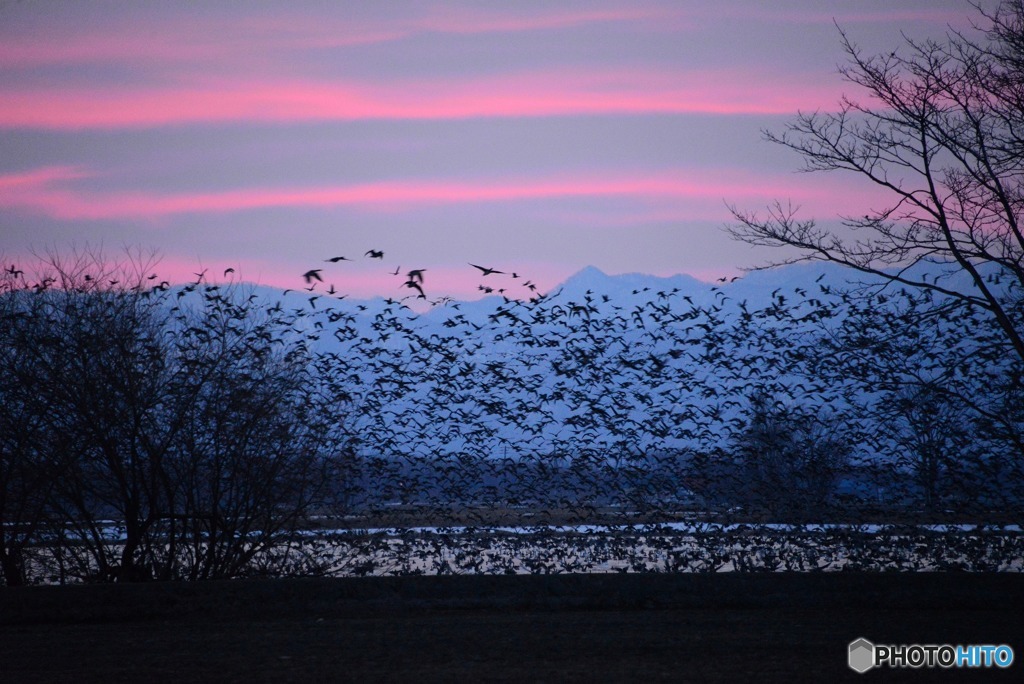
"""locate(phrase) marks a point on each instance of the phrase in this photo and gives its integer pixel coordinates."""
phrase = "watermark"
(864, 655)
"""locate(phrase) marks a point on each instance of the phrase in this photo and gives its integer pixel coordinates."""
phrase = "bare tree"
(30, 451)
(80, 360)
(155, 434)
(939, 393)
(259, 434)
(790, 460)
(942, 131)
(925, 425)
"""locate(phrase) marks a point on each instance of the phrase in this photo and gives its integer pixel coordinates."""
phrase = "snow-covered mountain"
(614, 370)
(624, 364)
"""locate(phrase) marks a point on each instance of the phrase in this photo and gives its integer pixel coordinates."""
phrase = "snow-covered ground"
(669, 548)
(672, 548)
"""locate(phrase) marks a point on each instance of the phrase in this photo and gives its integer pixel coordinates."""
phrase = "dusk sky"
(537, 137)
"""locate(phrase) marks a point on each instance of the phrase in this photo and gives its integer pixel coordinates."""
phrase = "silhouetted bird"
(313, 274)
(486, 271)
(415, 286)
(374, 254)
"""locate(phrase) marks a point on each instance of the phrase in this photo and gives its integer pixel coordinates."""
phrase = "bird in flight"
(228, 270)
(414, 285)
(311, 275)
(374, 254)
(416, 275)
(336, 259)
(486, 271)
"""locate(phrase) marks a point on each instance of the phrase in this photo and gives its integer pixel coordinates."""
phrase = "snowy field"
(671, 548)
(668, 548)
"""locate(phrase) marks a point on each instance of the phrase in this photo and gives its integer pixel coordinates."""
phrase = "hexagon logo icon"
(862, 655)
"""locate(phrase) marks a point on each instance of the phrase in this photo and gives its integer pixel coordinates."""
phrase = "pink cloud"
(42, 190)
(183, 39)
(173, 38)
(51, 191)
(40, 177)
(37, 191)
(777, 13)
(477, 21)
(938, 16)
(562, 93)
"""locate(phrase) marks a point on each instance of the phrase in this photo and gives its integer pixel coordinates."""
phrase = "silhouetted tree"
(31, 450)
(930, 431)
(934, 387)
(789, 460)
(182, 434)
(259, 434)
(942, 131)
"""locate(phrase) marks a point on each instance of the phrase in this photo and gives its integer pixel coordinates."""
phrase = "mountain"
(603, 364)
(595, 280)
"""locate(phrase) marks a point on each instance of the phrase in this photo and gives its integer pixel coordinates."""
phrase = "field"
(611, 627)
(678, 547)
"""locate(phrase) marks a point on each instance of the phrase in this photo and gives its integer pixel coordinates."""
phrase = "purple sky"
(538, 137)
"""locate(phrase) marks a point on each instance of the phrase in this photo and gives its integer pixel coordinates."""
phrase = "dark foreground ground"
(596, 628)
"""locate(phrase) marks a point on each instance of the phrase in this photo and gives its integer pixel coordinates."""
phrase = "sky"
(529, 137)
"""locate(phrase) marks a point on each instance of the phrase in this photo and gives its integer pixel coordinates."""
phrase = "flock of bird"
(639, 398)
(572, 401)
(414, 278)
(653, 549)
(567, 405)
(635, 399)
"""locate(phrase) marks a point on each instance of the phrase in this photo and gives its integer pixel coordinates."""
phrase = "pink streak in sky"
(563, 93)
(50, 192)
(38, 178)
(234, 38)
(468, 21)
(936, 16)
(185, 40)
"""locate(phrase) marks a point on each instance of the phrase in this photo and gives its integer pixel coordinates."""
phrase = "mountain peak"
(588, 273)
(593, 278)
